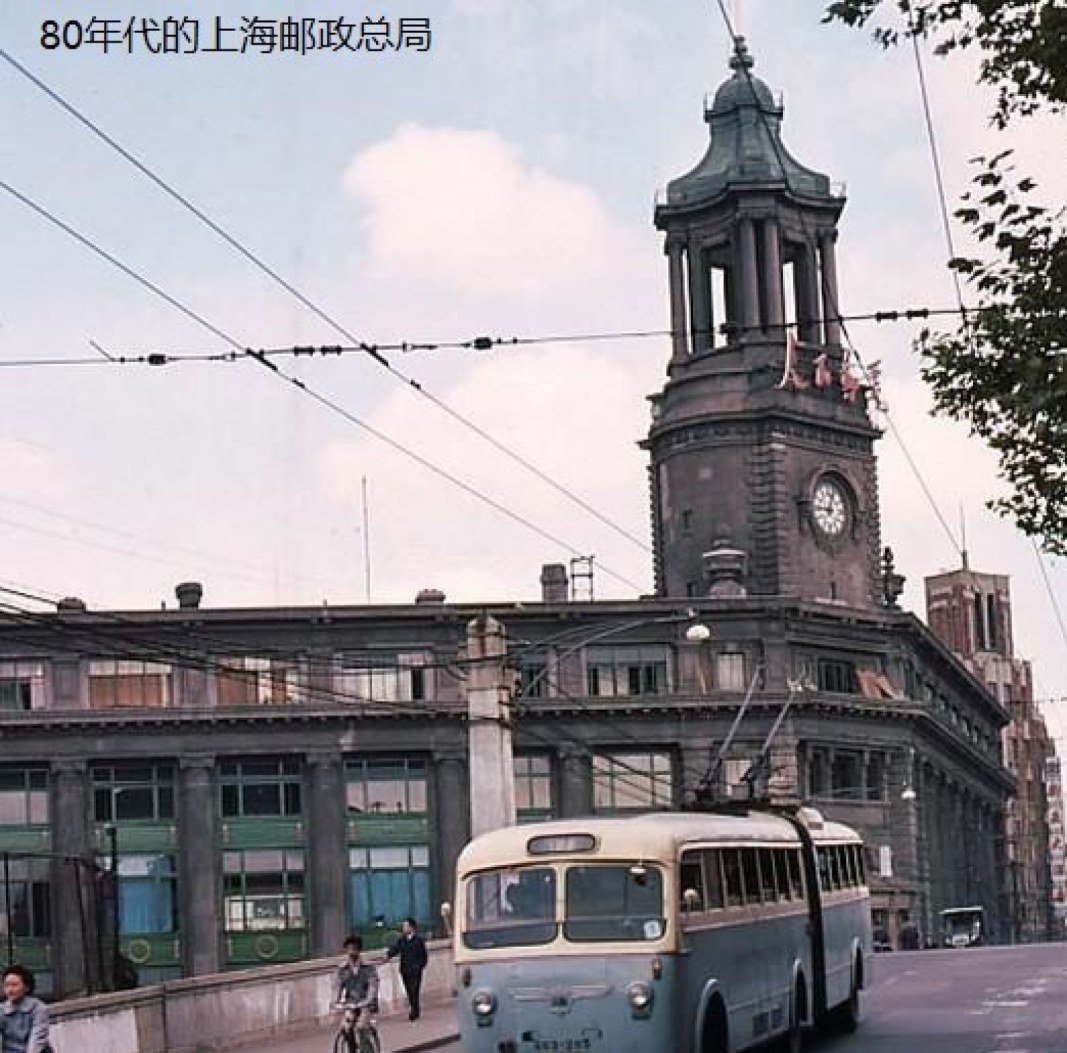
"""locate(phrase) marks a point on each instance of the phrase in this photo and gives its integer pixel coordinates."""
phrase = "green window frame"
(386, 786)
(387, 883)
(26, 880)
(148, 894)
(263, 889)
(257, 787)
(24, 797)
(133, 791)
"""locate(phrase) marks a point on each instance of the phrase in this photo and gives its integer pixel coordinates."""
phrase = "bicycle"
(352, 1038)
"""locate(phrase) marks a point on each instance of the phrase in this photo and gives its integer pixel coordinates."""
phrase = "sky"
(500, 183)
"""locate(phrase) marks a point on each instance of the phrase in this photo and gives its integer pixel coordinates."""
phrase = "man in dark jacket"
(411, 949)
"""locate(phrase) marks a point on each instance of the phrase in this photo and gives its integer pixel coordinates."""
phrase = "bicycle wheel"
(369, 1042)
(345, 1042)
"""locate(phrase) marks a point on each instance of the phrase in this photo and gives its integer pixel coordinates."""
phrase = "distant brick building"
(971, 612)
(1057, 845)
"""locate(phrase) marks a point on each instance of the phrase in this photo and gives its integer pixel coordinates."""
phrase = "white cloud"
(531, 402)
(460, 212)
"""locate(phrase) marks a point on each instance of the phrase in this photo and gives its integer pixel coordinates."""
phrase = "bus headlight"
(484, 1004)
(640, 996)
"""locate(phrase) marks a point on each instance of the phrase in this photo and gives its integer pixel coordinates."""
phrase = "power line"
(1051, 593)
(115, 262)
(332, 322)
(950, 245)
(935, 158)
(487, 343)
(112, 637)
(261, 359)
(832, 293)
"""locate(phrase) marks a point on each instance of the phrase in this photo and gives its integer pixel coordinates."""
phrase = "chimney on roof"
(430, 596)
(554, 583)
(189, 594)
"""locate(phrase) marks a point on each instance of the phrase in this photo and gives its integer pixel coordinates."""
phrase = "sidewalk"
(436, 1027)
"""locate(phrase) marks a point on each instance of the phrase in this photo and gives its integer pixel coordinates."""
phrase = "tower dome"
(746, 147)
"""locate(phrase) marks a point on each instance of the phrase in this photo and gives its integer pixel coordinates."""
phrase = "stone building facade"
(1057, 838)
(971, 612)
(271, 778)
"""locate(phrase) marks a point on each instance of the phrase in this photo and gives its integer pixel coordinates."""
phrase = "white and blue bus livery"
(660, 933)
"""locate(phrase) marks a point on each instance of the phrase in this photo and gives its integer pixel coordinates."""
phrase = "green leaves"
(1004, 370)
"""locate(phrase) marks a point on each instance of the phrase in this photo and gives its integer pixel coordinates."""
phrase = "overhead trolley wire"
(262, 360)
(107, 643)
(485, 343)
(935, 158)
(366, 348)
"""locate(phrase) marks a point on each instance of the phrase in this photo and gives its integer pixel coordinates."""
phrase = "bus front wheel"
(715, 1038)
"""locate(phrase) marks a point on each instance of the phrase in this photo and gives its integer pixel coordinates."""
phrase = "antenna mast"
(366, 539)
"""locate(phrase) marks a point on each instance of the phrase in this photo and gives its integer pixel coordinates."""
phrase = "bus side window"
(766, 869)
(781, 873)
(822, 857)
(835, 868)
(850, 866)
(750, 867)
(692, 879)
(731, 872)
(713, 879)
(796, 884)
(861, 869)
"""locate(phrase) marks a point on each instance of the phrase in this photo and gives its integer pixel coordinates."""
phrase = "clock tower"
(763, 472)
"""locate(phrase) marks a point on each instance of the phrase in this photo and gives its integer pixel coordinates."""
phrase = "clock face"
(829, 508)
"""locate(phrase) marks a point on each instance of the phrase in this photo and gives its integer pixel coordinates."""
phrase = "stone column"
(74, 891)
(701, 320)
(200, 902)
(749, 271)
(773, 296)
(806, 284)
(575, 782)
(831, 307)
(452, 818)
(327, 853)
(679, 328)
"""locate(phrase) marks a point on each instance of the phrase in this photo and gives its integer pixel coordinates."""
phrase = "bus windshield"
(511, 908)
(605, 903)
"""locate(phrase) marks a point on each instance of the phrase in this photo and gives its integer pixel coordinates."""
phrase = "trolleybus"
(660, 933)
(963, 926)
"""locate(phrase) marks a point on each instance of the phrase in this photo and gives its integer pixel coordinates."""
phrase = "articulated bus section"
(693, 932)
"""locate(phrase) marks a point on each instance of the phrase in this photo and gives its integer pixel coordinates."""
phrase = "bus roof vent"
(811, 818)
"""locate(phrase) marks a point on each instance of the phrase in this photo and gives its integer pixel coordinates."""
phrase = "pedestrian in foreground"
(410, 948)
(23, 1018)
